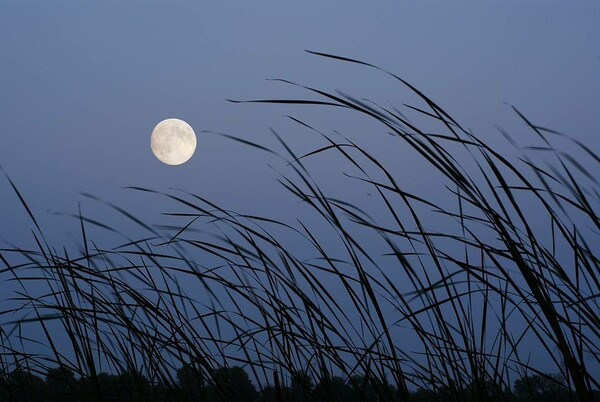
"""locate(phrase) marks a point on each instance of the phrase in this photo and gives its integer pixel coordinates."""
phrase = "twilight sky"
(83, 84)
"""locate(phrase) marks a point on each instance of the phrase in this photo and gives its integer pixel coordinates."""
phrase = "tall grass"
(464, 312)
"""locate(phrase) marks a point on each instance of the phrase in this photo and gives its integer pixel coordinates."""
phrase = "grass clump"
(377, 302)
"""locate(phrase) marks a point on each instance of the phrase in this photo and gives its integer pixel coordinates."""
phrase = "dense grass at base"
(514, 272)
(234, 384)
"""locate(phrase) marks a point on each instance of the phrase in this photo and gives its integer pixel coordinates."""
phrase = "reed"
(309, 316)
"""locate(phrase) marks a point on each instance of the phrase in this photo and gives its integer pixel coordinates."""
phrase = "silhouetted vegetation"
(234, 384)
(407, 297)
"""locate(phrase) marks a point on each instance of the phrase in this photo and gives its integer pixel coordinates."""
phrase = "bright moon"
(173, 141)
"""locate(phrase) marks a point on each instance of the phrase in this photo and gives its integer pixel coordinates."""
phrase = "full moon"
(173, 141)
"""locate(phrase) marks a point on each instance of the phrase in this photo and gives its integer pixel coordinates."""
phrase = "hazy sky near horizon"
(83, 84)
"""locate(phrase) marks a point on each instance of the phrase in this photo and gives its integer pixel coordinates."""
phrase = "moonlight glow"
(173, 141)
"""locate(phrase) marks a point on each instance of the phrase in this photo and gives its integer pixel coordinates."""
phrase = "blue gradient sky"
(83, 84)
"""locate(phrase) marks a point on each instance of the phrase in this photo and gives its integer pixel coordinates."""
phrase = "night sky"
(84, 83)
